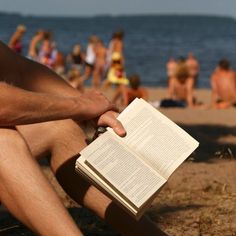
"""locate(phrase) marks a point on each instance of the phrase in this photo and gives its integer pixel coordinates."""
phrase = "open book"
(131, 170)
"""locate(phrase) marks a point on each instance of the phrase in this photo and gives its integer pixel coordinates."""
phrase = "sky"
(118, 7)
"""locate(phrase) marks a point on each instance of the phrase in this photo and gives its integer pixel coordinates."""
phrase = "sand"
(200, 197)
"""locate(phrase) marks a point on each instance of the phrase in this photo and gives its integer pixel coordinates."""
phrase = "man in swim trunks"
(37, 115)
(223, 83)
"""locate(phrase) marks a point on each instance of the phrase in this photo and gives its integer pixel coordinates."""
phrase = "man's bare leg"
(25, 191)
(66, 139)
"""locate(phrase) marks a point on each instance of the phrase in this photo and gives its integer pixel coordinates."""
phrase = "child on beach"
(128, 94)
(116, 74)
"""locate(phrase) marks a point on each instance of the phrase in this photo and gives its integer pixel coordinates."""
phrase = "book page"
(97, 181)
(162, 144)
(122, 169)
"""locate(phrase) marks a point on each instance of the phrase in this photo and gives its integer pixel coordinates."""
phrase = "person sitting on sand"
(171, 66)
(15, 42)
(223, 83)
(41, 116)
(193, 67)
(180, 88)
(128, 94)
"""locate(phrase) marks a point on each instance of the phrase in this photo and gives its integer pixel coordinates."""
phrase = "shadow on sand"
(216, 141)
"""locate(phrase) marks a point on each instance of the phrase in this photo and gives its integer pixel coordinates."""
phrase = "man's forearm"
(19, 106)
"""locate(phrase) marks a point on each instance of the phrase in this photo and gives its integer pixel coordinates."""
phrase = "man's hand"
(93, 104)
(110, 119)
(96, 105)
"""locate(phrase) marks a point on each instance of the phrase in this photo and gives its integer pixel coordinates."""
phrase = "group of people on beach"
(97, 62)
(100, 62)
(42, 115)
(183, 77)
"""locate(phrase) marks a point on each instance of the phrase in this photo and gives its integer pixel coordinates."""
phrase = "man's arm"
(190, 86)
(214, 94)
(19, 106)
(37, 78)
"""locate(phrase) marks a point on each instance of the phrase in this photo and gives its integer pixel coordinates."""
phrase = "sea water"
(149, 40)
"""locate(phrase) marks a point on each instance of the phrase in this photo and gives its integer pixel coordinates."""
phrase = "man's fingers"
(109, 119)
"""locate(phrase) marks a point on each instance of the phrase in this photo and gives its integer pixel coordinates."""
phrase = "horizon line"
(115, 15)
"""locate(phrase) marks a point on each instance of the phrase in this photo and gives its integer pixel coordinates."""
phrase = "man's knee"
(67, 140)
(12, 145)
(11, 139)
(67, 133)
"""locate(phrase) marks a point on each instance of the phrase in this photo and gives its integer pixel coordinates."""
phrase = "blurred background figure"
(100, 63)
(90, 58)
(15, 42)
(116, 74)
(74, 80)
(59, 62)
(171, 68)
(46, 49)
(116, 45)
(180, 88)
(223, 83)
(76, 59)
(193, 67)
(35, 45)
(126, 94)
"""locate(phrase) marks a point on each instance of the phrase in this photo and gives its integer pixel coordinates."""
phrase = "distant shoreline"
(130, 15)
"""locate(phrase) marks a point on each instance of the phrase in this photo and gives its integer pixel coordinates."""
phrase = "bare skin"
(15, 41)
(42, 97)
(127, 94)
(33, 53)
(193, 66)
(171, 68)
(223, 84)
(100, 63)
(182, 91)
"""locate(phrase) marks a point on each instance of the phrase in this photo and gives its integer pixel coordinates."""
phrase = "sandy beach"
(200, 197)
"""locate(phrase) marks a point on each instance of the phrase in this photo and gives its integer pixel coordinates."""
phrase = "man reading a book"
(37, 118)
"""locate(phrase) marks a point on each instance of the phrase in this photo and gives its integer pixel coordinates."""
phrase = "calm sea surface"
(149, 40)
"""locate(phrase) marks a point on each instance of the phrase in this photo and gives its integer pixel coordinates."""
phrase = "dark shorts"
(89, 65)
